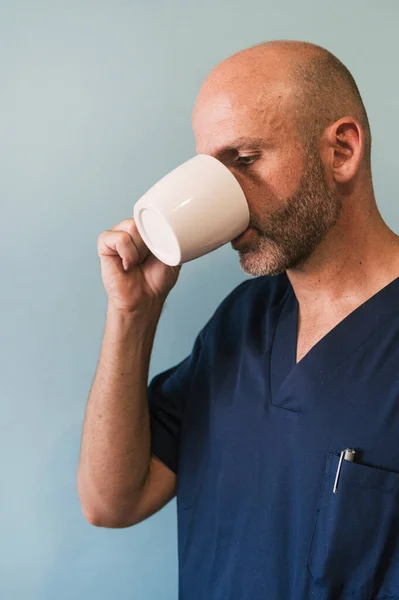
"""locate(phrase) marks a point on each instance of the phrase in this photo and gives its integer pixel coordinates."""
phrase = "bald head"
(306, 82)
(287, 119)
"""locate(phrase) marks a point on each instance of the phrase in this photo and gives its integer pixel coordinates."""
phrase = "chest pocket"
(354, 550)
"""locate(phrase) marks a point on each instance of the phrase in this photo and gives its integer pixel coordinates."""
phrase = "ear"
(346, 141)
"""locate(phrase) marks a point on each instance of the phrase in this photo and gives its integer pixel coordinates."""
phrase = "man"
(279, 433)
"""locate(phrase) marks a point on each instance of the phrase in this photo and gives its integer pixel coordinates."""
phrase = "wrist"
(142, 318)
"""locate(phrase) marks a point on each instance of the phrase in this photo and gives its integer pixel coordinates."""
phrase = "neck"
(358, 258)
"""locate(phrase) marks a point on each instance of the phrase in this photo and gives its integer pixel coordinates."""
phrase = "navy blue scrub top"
(255, 440)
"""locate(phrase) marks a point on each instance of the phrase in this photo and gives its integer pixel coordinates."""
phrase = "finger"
(118, 243)
(130, 227)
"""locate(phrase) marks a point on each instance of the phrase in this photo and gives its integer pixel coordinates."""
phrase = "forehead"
(230, 120)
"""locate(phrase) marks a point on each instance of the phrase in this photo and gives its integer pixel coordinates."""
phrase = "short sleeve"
(167, 393)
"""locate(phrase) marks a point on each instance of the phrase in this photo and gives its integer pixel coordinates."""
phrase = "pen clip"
(347, 454)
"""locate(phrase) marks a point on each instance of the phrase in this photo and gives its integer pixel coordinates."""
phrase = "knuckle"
(100, 240)
(125, 237)
(131, 228)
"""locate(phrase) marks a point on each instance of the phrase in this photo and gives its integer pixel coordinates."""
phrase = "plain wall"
(95, 106)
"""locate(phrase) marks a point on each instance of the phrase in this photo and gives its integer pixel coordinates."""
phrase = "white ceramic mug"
(196, 208)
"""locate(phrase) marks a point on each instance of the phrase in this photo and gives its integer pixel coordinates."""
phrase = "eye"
(245, 161)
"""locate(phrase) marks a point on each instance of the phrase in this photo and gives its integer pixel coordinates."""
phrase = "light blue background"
(95, 106)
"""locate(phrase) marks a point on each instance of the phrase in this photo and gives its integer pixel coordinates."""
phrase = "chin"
(256, 268)
(261, 261)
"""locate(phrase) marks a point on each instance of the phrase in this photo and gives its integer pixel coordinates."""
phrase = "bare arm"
(119, 484)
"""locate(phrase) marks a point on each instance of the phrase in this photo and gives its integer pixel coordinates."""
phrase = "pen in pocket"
(347, 454)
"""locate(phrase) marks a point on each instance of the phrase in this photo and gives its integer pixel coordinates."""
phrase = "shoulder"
(252, 300)
(267, 291)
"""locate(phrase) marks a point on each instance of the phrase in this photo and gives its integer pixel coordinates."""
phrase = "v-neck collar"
(333, 349)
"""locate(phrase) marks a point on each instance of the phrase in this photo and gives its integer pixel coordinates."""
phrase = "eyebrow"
(239, 144)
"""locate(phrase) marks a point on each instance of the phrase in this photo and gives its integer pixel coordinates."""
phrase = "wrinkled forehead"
(221, 117)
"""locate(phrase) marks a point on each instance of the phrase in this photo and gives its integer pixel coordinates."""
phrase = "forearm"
(115, 451)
